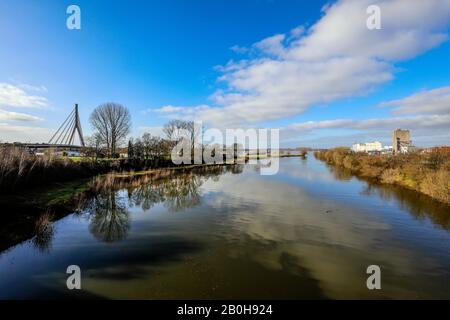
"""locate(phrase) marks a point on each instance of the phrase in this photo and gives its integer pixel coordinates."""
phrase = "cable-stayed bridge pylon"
(65, 135)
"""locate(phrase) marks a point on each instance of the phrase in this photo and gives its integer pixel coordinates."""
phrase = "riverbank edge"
(61, 194)
(37, 208)
(375, 175)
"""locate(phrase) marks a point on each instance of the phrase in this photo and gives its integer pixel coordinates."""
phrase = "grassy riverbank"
(426, 173)
(65, 193)
(31, 214)
(20, 171)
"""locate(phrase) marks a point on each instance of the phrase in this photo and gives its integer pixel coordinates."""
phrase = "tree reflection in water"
(419, 205)
(177, 190)
(177, 193)
(108, 217)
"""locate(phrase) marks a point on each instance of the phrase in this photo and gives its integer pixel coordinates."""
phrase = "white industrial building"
(367, 147)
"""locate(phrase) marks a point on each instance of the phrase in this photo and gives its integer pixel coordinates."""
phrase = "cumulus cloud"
(272, 45)
(435, 101)
(336, 58)
(19, 96)
(408, 29)
(16, 116)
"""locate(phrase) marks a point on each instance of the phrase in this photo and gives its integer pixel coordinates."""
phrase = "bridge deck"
(49, 146)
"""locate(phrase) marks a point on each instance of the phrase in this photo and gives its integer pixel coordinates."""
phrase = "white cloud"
(336, 58)
(29, 87)
(272, 45)
(297, 32)
(431, 101)
(239, 49)
(426, 113)
(432, 122)
(17, 96)
(12, 133)
(16, 116)
(408, 29)
(180, 111)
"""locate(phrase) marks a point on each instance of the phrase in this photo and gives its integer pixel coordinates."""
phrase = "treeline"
(428, 173)
(105, 142)
(149, 147)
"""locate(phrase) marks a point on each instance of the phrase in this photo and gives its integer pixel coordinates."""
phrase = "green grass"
(56, 193)
(62, 192)
(77, 159)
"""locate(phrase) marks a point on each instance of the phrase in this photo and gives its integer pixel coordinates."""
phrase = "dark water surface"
(308, 232)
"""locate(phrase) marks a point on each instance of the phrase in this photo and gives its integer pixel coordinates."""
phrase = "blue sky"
(310, 68)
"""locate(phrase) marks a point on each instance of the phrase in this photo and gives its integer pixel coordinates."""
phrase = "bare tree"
(94, 147)
(112, 121)
(177, 130)
(148, 144)
(138, 149)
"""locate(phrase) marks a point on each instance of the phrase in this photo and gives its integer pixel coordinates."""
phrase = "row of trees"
(111, 123)
(148, 147)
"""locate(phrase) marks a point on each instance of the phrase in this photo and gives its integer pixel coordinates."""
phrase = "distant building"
(387, 150)
(367, 147)
(123, 152)
(401, 141)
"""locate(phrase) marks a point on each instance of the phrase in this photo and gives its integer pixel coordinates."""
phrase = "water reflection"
(44, 231)
(308, 232)
(176, 190)
(177, 193)
(419, 205)
(108, 216)
(339, 173)
(107, 210)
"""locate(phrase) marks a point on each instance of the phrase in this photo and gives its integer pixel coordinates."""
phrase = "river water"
(308, 232)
